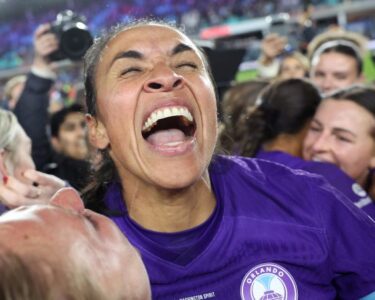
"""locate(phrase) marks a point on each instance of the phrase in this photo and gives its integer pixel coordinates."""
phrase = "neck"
(284, 143)
(288, 143)
(169, 210)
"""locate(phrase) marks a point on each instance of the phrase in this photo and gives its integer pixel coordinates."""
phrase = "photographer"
(32, 110)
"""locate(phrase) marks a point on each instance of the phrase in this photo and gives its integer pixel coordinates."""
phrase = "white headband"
(333, 43)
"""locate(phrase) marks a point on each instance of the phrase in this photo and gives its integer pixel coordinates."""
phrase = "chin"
(177, 177)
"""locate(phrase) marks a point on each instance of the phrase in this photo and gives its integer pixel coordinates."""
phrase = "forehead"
(74, 117)
(336, 62)
(291, 60)
(147, 39)
(345, 112)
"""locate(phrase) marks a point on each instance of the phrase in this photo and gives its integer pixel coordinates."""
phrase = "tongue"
(165, 137)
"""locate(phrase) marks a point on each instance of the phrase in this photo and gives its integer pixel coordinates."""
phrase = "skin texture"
(341, 132)
(71, 139)
(165, 69)
(335, 71)
(80, 242)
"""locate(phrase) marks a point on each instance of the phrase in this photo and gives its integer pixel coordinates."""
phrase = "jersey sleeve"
(350, 235)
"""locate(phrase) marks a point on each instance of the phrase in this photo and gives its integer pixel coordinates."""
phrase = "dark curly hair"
(283, 107)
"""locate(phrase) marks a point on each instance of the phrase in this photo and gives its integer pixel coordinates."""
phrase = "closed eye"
(344, 139)
(187, 65)
(129, 71)
(315, 129)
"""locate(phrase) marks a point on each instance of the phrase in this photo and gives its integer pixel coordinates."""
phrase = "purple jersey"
(330, 172)
(276, 233)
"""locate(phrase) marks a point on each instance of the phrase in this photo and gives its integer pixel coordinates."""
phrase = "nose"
(327, 85)
(321, 144)
(163, 79)
(68, 198)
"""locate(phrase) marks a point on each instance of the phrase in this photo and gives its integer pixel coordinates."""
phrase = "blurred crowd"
(193, 15)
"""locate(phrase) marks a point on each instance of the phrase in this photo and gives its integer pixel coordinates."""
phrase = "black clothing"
(32, 113)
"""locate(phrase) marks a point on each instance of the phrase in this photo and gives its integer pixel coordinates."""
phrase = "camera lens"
(75, 42)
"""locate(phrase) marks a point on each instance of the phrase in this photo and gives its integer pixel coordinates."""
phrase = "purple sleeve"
(345, 184)
(350, 235)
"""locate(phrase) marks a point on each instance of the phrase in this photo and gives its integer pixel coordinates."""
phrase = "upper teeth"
(318, 159)
(166, 112)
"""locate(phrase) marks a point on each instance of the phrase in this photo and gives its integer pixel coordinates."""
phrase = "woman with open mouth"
(209, 226)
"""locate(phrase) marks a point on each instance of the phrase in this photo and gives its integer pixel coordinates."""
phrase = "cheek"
(354, 159)
(209, 98)
(120, 102)
(300, 71)
(68, 139)
(308, 141)
(210, 114)
(117, 118)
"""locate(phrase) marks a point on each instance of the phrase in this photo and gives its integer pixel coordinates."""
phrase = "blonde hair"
(8, 129)
(302, 59)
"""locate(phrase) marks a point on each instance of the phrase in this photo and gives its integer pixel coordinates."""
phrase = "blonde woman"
(21, 183)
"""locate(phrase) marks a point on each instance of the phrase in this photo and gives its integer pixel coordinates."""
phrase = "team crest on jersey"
(358, 190)
(268, 281)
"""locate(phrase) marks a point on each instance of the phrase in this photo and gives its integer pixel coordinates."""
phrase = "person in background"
(219, 221)
(275, 62)
(293, 65)
(342, 133)
(235, 100)
(272, 47)
(70, 145)
(275, 128)
(52, 154)
(21, 183)
(60, 250)
(337, 58)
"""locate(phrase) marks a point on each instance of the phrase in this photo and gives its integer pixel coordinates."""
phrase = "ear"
(97, 132)
(55, 144)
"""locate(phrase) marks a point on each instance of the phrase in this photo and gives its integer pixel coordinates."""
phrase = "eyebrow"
(340, 73)
(127, 54)
(342, 130)
(133, 54)
(181, 47)
(316, 121)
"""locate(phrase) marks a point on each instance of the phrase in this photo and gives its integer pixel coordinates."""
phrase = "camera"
(282, 25)
(73, 36)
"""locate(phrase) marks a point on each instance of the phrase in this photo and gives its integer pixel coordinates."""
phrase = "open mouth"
(169, 126)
